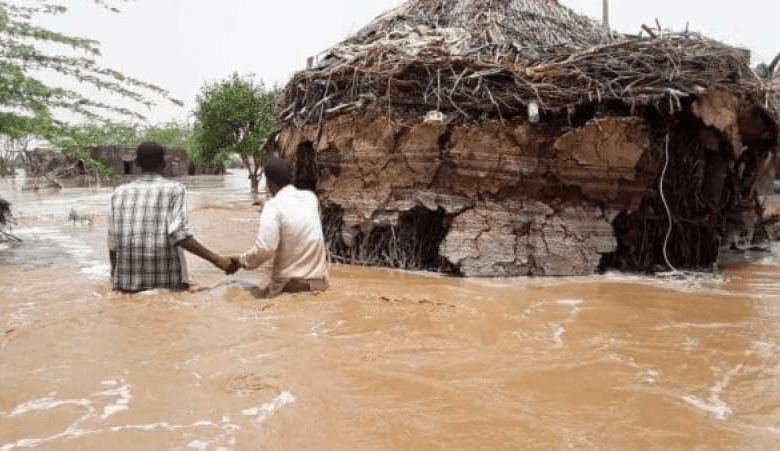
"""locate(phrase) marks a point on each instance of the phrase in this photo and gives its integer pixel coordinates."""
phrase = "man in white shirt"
(290, 229)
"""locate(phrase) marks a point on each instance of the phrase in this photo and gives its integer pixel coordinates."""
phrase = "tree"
(30, 106)
(11, 149)
(236, 115)
(771, 71)
(172, 134)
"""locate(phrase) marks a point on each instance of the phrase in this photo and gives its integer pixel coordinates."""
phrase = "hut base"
(509, 198)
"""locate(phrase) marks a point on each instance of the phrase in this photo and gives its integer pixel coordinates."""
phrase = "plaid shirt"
(148, 218)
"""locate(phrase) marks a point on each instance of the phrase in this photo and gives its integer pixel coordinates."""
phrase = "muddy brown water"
(383, 360)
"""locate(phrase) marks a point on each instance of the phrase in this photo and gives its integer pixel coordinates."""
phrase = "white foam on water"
(650, 376)
(718, 408)
(49, 403)
(20, 317)
(117, 388)
(197, 445)
(558, 333)
(714, 404)
(72, 431)
(268, 409)
(318, 330)
(225, 441)
(69, 433)
(193, 359)
(94, 268)
(161, 425)
(574, 304)
(683, 325)
(124, 394)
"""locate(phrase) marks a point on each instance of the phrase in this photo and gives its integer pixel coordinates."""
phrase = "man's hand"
(227, 264)
(235, 265)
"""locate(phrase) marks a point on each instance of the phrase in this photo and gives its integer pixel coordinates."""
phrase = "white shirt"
(290, 228)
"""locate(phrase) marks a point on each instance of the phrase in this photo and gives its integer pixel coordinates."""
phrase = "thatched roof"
(481, 28)
(472, 58)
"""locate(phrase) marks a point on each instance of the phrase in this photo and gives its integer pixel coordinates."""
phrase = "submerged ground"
(383, 360)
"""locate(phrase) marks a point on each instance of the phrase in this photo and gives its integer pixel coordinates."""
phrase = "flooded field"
(383, 360)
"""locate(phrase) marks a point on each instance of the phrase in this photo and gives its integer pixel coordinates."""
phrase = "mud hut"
(120, 159)
(512, 137)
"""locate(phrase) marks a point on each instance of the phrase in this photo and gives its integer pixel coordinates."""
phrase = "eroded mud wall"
(512, 198)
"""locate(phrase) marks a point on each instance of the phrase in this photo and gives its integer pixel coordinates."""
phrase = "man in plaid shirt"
(147, 230)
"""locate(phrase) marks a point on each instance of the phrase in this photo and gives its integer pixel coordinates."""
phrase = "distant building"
(120, 159)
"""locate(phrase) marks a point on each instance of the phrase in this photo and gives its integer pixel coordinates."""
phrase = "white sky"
(180, 44)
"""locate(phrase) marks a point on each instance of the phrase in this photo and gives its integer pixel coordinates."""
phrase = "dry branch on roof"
(409, 77)
(473, 57)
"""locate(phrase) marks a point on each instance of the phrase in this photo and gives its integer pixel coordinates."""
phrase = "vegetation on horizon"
(769, 71)
(236, 115)
(31, 107)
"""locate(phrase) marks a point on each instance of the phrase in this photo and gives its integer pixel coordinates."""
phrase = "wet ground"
(383, 360)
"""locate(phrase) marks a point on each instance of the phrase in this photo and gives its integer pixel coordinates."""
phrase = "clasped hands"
(229, 264)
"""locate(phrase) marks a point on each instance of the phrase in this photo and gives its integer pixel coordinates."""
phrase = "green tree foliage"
(769, 71)
(236, 116)
(30, 106)
(176, 135)
(172, 134)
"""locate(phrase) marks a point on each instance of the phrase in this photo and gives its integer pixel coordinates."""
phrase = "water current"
(383, 360)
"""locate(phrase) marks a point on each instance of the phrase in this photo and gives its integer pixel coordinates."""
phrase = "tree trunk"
(255, 182)
(253, 166)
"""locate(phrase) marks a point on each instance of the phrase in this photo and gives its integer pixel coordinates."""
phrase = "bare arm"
(224, 263)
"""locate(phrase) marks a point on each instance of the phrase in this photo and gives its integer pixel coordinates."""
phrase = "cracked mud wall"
(514, 199)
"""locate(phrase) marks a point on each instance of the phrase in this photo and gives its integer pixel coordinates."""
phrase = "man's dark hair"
(149, 155)
(277, 172)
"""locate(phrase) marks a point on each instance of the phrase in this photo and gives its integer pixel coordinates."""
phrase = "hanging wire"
(666, 205)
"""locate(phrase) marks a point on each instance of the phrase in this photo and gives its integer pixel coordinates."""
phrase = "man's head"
(277, 175)
(150, 156)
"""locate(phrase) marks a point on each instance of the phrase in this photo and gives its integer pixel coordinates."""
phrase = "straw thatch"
(471, 58)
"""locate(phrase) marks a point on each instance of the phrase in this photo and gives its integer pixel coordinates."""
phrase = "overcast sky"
(180, 44)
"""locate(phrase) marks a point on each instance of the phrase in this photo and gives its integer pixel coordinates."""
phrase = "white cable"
(668, 211)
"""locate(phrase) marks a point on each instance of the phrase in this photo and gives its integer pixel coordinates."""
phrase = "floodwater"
(383, 360)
